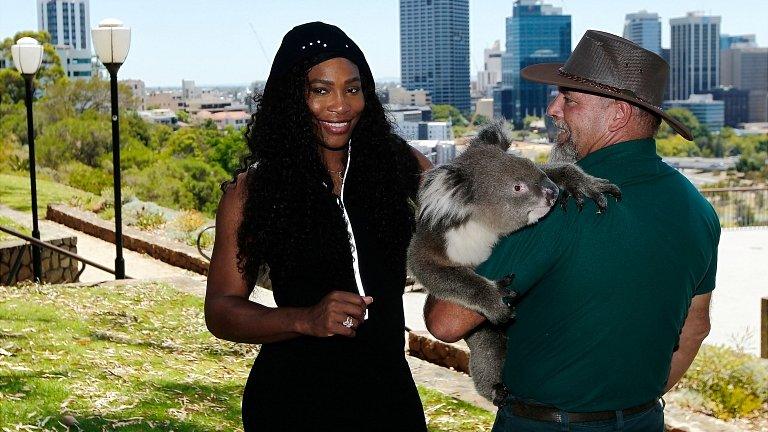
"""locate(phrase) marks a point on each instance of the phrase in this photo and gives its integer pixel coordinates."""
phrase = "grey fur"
(465, 207)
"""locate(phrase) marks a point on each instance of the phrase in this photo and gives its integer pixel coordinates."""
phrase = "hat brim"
(547, 73)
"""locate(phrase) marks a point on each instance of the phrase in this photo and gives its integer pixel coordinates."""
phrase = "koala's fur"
(464, 208)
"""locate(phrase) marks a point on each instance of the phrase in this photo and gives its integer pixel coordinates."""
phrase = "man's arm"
(695, 329)
(448, 321)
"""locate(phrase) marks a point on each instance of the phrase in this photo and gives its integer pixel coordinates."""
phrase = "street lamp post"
(112, 40)
(27, 55)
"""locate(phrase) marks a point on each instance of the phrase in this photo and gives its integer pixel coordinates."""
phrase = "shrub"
(81, 176)
(189, 221)
(91, 203)
(730, 382)
(108, 195)
(206, 240)
(84, 139)
(148, 220)
(107, 214)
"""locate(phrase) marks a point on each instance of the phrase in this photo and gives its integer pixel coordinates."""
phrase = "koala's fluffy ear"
(495, 133)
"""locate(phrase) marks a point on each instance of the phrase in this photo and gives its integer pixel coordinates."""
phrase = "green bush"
(731, 383)
(81, 176)
(148, 220)
(9, 223)
(85, 139)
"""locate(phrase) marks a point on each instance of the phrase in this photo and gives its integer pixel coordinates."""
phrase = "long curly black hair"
(292, 221)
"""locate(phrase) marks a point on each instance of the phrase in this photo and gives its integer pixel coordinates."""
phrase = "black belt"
(552, 414)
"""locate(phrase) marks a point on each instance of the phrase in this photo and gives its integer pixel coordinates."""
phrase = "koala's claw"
(506, 280)
(579, 201)
(508, 298)
(507, 294)
(600, 201)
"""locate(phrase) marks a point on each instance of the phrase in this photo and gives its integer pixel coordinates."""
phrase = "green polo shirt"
(603, 297)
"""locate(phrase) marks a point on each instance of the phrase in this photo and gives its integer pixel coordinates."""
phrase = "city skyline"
(254, 31)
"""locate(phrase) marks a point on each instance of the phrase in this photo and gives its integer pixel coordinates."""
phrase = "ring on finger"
(348, 322)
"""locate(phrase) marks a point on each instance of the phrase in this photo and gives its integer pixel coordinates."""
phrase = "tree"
(13, 121)
(189, 142)
(228, 149)
(446, 112)
(480, 120)
(682, 115)
(676, 145)
(85, 139)
(183, 116)
(66, 98)
(11, 86)
(11, 81)
(529, 120)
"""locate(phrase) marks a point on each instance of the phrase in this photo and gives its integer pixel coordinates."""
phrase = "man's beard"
(563, 151)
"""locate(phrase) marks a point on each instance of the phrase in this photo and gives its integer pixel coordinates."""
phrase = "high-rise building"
(536, 33)
(434, 49)
(695, 55)
(644, 29)
(69, 23)
(490, 76)
(189, 90)
(727, 40)
(746, 67)
(736, 104)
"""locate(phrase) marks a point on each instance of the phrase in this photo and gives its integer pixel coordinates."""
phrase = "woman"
(324, 205)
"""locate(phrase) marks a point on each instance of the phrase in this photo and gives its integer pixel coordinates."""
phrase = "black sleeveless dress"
(339, 383)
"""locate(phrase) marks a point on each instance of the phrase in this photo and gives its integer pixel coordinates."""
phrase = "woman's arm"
(424, 163)
(230, 315)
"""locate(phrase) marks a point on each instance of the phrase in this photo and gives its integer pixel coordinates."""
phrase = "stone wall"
(169, 251)
(57, 268)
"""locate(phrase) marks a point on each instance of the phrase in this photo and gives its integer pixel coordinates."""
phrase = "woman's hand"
(327, 317)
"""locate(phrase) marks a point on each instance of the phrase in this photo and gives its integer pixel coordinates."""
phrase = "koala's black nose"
(551, 192)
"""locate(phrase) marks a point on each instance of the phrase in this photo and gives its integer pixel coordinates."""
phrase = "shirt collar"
(623, 159)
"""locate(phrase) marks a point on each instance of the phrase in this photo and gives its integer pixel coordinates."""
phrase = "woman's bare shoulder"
(232, 200)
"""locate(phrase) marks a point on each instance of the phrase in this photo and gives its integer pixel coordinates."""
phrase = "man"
(612, 308)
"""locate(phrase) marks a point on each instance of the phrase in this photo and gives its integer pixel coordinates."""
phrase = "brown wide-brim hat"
(615, 67)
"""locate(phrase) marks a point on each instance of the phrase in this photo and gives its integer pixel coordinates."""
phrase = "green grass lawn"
(134, 358)
(15, 193)
(10, 223)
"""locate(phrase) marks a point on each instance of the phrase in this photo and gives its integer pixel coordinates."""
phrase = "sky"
(222, 42)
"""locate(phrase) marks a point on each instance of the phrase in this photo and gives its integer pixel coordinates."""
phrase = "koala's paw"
(580, 185)
(499, 394)
(504, 286)
(499, 312)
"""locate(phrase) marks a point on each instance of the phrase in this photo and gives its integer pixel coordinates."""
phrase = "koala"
(464, 208)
